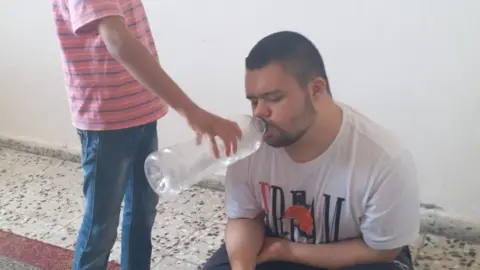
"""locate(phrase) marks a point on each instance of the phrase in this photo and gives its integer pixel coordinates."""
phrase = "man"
(117, 91)
(329, 188)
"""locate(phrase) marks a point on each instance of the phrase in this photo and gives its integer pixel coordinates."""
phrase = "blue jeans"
(113, 169)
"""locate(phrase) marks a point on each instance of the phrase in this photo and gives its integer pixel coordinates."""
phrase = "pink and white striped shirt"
(102, 94)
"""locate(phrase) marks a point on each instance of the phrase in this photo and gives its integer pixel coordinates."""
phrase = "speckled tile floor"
(41, 199)
(9, 264)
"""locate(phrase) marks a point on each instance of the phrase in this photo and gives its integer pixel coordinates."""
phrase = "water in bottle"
(174, 169)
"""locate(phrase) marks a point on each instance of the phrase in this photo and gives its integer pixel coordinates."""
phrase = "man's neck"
(319, 137)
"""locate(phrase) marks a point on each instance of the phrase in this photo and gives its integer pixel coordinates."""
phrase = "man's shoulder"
(380, 155)
(370, 136)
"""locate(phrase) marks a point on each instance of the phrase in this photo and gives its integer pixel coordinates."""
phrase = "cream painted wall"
(411, 65)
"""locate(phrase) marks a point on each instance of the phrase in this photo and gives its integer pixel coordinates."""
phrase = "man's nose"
(262, 110)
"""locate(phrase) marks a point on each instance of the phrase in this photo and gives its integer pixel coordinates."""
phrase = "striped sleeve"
(85, 14)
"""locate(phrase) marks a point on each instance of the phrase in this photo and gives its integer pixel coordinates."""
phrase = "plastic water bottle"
(174, 169)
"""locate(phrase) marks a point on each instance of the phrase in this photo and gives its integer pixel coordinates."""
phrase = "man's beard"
(285, 138)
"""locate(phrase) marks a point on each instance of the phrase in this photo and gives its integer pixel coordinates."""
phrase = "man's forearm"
(337, 255)
(244, 239)
(140, 63)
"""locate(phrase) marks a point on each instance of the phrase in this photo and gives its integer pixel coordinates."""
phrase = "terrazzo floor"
(41, 200)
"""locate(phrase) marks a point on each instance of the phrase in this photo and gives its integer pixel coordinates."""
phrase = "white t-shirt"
(363, 185)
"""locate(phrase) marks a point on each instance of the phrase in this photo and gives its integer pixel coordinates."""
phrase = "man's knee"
(98, 233)
(140, 211)
(150, 203)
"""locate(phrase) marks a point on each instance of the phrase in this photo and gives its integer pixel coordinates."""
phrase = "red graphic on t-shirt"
(264, 187)
(302, 216)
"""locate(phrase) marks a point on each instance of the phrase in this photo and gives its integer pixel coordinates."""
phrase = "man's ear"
(317, 87)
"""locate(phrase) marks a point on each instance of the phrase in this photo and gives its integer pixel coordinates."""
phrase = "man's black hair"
(293, 51)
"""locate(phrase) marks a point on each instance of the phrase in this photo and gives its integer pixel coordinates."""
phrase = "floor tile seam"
(172, 257)
(36, 219)
(188, 261)
(38, 239)
(49, 222)
(181, 240)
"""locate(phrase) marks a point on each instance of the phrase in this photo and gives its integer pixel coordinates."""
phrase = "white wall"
(411, 65)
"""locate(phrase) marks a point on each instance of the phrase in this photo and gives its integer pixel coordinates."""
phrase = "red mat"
(39, 254)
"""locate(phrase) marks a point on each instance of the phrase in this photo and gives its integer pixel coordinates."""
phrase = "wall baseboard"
(434, 221)
(40, 148)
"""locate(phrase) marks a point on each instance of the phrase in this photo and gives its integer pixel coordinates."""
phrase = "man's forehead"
(262, 81)
(262, 94)
(271, 70)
